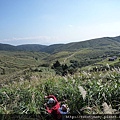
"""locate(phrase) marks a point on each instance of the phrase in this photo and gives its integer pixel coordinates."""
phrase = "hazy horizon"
(55, 43)
(48, 22)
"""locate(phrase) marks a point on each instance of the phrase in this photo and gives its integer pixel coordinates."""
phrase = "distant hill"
(31, 47)
(117, 38)
(105, 42)
(53, 48)
(26, 47)
(7, 47)
(98, 43)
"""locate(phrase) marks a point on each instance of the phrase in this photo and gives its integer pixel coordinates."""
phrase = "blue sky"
(57, 21)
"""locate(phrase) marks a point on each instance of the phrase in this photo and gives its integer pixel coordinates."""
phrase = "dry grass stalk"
(82, 91)
(107, 109)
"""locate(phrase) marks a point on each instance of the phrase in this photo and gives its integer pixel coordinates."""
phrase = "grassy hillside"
(84, 92)
(13, 64)
(105, 43)
(31, 47)
(7, 47)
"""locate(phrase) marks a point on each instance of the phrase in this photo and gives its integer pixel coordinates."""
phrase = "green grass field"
(80, 91)
(25, 83)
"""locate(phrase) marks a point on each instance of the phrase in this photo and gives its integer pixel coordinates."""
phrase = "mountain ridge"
(113, 42)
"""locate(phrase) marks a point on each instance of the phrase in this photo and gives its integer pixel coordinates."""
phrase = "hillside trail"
(68, 57)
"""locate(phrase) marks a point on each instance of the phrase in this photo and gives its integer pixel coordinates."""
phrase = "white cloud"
(31, 39)
(70, 25)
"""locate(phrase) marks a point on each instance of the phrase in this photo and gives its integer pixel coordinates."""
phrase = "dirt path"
(68, 57)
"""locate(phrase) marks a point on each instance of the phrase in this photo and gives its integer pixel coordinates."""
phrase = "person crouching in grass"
(52, 107)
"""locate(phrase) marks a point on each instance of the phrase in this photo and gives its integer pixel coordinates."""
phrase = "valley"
(27, 76)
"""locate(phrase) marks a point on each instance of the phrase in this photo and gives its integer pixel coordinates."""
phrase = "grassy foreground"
(84, 92)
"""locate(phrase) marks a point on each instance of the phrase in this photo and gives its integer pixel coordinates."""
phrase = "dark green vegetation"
(79, 73)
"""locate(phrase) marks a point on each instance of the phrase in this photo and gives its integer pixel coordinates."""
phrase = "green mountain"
(105, 43)
(53, 48)
(7, 47)
(26, 47)
(31, 47)
(99, 43)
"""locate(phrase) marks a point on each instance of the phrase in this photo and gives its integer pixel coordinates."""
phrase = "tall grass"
(84, 92)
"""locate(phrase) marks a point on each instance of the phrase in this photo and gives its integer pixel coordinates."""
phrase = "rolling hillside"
(7, 47)
(85, 52)
(105, 43)
(99, 43)
(13, 64)
(14, 58)
(31, 47)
